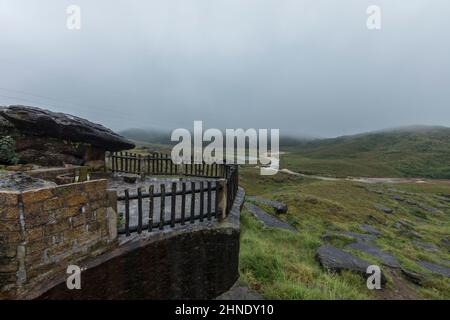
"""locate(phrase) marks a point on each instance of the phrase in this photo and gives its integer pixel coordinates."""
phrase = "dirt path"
(401, 289)
(366, 180)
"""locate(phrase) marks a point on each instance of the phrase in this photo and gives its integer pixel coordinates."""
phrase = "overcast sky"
(307, 67)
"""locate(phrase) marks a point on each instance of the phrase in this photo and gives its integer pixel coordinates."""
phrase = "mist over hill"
(414, 151)
(159, 136)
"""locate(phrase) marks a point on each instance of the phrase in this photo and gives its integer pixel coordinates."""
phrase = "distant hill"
(152, 136)
(418, 151)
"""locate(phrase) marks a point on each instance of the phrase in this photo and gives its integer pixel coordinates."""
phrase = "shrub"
(7, 150)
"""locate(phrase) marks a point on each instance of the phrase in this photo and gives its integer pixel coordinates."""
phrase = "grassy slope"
(280, 264)
(411, 152)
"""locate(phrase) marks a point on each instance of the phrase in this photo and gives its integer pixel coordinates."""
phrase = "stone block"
(36, 195)
(9, 213)
(35, 233)
(77, 199)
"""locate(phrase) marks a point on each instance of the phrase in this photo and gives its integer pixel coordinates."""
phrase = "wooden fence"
(160, 164)
(189, 201)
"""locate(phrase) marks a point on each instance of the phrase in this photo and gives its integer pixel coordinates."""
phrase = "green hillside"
(406, 152)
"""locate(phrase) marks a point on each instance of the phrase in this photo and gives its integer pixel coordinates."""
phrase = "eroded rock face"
(54, 139)
(63, 126)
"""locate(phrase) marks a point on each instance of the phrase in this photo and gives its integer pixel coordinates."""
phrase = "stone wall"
(57, 174)
(198, 261)
(47, 229)
(10, 241)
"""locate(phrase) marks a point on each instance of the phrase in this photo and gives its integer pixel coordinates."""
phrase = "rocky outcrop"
(52, 139)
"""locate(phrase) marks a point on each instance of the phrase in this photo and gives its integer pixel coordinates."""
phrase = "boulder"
(36, 121)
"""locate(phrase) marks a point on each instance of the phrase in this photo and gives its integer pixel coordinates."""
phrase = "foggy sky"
(306, 67)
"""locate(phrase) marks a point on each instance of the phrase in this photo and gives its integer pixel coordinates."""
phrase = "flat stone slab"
(278, 206)
(446, 243)
(414, 277)
(375, 251)
(424, 245)
(360, 236)
(334, 259)
(444, 271)
(369, 229)
(267, 219)
(403, 224)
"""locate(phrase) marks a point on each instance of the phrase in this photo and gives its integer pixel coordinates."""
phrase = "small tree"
(8, 150)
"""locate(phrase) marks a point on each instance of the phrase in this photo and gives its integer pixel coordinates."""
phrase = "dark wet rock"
(444, 271)
(406, 229)
(311, 200)
(383, 209)
(398, 198)
(419, 214)
(372, 218)
(429, 209)
(19, 181)
(336, 260)
(446, 262)
(40, 122)
(130, 178)
(403, 224)
(411, 202)
(446, 242)
(360, 236)
(337, 236)
(369, 229)
(375, 251)
(441, 198)
(410, 234)
(267, 219)
(278, 206)
(424, 245)
(414, 277)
